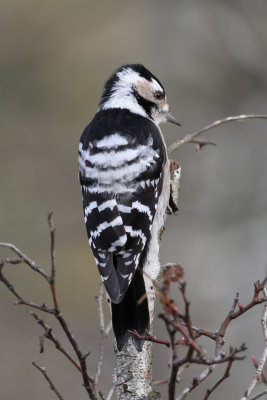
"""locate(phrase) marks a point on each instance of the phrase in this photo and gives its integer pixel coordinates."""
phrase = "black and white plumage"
(123, 168)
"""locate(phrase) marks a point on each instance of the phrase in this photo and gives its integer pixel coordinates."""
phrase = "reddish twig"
(223, 327)
(87, 380)
(220, 380)
(19, 297)
(208, 371)
(48, 333)
(26, 259)
(51, 385)
(202, 332)
(174, 366)
(149, 338)
(258, 288)
(196, 382)
(190, 342)
(176, 321)
(191, 138)
(116, 384)
(52, 277)
(160, 382)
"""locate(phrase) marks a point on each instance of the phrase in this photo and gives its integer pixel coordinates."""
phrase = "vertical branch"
(220, 380)
(263, 357)
(174, 366)
(52, 247)
(223, 327)
(87, 380)
(104, 331)
(51, 385)
(53, 260)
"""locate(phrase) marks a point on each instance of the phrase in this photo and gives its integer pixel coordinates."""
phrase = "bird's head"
(135, 88)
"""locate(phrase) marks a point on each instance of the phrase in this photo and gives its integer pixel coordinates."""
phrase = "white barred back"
(121, 177)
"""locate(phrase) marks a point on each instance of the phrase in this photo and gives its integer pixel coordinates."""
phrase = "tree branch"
(259, 395)
(191, 138)
(104, 331)
(87, 380)
(48, 334)
(220, 380)
(52, 277)
(51, 385)
(26, 259)
(263, 357)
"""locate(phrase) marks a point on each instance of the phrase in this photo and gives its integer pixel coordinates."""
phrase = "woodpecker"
(124, 176)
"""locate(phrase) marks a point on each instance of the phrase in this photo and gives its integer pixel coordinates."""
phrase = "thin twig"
(202, 332)
(181, 370)
(149, 338)
(191, 342)
(26, 259)
(108, 328)
(52, 247)
(87, 380)
(52, 277)
(233, 355)
(208, 371)
(258, 287)
(19, 297)
(187, 318)
(174, 366)
(104, 331)
(263, 375)
(196, 382)
(14, 261)
(51, 385)
(213, 364)
(201, 143)
(178, 327)
(160, 382)
(259, 395)
(222, 330)
(220, 380)
(263, 357)
(189, 138)
(100, 309)
(115, 385)
(48, 333)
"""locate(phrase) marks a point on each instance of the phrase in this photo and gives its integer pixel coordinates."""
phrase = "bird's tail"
(129, 315)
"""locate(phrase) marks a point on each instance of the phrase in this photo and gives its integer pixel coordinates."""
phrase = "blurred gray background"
(211, 57)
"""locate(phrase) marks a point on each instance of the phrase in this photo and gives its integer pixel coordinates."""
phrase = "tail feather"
(129, 315)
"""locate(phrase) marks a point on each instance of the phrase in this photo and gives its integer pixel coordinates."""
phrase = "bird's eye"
(159, 95)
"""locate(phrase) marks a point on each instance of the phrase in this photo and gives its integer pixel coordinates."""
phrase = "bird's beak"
(165, 111)
(171, 119)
